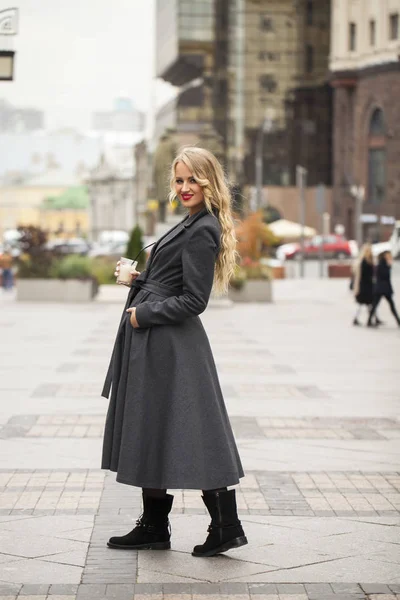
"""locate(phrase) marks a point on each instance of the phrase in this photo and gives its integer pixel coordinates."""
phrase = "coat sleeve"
(198, 262)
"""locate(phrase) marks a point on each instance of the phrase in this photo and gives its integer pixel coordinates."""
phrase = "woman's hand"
(134, 322)
(134, 274)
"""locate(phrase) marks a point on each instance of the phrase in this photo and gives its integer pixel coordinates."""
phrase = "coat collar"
(178, 229)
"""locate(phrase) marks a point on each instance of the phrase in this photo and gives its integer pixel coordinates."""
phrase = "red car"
(335, 246)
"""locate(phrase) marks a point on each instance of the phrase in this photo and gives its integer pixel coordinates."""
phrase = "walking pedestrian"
(383, 287)
(363, 282)
(167, 425)
(6, 267)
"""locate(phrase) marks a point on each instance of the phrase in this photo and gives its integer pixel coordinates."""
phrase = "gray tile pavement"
(316, 410)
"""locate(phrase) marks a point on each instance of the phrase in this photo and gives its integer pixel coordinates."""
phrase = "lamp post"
(358, 193)
(301, 174)
(265, 127)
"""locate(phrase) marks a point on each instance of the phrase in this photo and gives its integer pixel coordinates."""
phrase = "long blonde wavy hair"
(209, 174)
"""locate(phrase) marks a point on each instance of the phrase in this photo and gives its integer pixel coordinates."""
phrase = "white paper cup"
(125, 268)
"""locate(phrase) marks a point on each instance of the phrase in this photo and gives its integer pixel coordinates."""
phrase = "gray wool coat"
(167, 426)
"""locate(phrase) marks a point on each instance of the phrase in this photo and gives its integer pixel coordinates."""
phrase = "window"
(271, 56)
(268, 83)
(310, 12)
(377, 158)
(394, 26)
(309, 58)
(377, 123)
(372, 33)
(352, 36)
(266, 23)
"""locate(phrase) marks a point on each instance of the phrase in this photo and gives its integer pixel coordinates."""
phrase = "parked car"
(71, 246)
(334, 246)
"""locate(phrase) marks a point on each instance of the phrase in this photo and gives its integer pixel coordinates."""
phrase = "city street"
(315, 406)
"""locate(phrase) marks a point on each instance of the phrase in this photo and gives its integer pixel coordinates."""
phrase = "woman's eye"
(179, 181)
(192, 180)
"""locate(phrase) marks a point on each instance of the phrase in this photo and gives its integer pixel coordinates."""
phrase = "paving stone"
(34, 590)
(262, 588)
(343, 588)
(63, 590)
(290, 588)
(90, 591)
(317, 590)
(177, 588)
(148, 588)
(370, 588)
(120, 591)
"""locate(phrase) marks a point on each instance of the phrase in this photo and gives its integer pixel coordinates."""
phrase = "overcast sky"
(76, 56)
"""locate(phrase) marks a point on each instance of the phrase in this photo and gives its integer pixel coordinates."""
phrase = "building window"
(377, 158)
(271, 56)
(394, 26)
(266, 23)
(268, 83)
(352, 36)
(372, 33)
(310, 12)
(309, 58)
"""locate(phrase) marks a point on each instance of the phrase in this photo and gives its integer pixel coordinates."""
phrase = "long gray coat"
(167, 426)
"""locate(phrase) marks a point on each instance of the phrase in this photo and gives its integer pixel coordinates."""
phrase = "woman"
(383, 287)
(167, 425)
(363, 281)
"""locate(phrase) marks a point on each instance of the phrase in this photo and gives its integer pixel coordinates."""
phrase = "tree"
(254, 237)
(135, 245)
(35, 260)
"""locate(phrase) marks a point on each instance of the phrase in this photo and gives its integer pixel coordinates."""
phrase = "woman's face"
(189, 192)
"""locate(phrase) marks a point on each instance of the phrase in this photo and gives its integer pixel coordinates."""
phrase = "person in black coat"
(167, 426)
(383, 287)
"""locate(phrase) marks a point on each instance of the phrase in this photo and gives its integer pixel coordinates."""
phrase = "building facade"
(284, 70)
(112, 199)
(365, 74)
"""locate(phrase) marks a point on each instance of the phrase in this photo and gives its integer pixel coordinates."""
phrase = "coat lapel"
(177, 230)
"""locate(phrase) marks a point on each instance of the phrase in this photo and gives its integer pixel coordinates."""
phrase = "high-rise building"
(19, 120)
(366, 78)
(123, 118)
(283, 71)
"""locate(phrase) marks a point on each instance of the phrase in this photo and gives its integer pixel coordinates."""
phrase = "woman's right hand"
(135, 274)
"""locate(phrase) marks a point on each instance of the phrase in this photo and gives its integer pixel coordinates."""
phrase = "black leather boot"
(152, 531)
(225, 531)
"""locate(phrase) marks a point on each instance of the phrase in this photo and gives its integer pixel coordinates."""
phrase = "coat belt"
(149, 285)
(160, 289)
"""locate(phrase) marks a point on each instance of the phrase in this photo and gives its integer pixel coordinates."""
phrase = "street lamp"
(358, 193)
(265, 127)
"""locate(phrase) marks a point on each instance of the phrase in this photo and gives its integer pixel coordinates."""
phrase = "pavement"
(315, 406)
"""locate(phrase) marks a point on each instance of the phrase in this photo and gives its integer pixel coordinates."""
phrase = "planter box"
(55, 290)
(257, 290)
(339, 270)
(279, 272)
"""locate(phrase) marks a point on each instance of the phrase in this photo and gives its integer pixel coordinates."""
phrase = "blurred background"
(295, 97)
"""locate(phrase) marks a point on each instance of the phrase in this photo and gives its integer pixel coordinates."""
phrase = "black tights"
(154, 493)
(392, 306)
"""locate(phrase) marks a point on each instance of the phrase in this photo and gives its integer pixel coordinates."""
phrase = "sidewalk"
(315, 405)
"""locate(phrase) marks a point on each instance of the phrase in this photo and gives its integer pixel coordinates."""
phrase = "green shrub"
(239, 278)
(72, 267)
(135, 245)
(103, 270)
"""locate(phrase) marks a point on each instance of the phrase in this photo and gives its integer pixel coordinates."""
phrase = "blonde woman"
(363, 282)
(167, 426)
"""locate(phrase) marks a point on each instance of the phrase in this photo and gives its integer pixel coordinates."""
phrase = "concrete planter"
(254, 290)
(56, 290)
(279, 272)
(339, 270)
